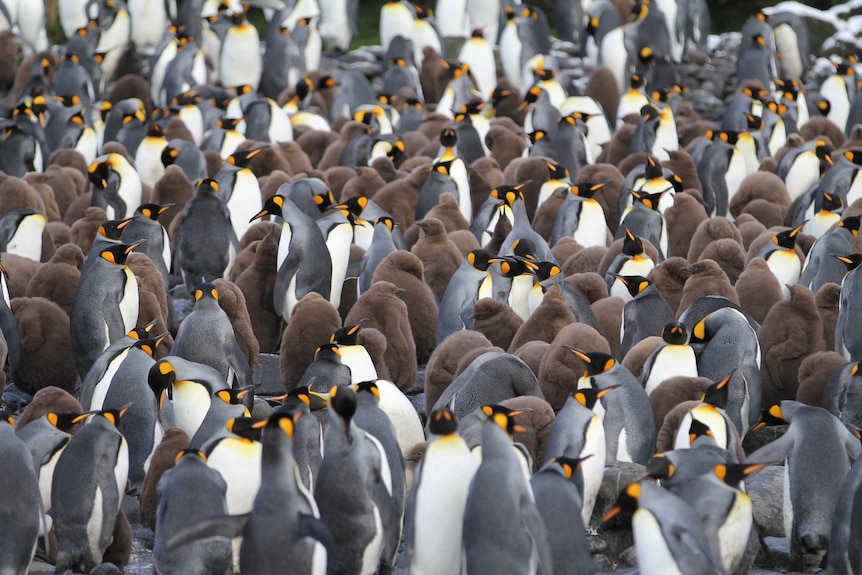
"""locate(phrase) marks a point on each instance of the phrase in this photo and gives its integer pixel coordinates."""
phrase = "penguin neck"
(277, 461)
(496, 443)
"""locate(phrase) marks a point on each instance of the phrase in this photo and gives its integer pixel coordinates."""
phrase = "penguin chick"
(440, 256)
(46, 350)
(758, 289)
(256, 283)
(404, 270)
(709, 230)
(706, 278)
(388, 313)
(497, 321)
(316, 321)
(791, 331)
(546, 321)
(57, 279)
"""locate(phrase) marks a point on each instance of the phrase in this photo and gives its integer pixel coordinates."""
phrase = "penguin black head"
(284, 421)
(386, 221)
(63, 421)
(117, 254)
(113, 229)
(508, 194)
(556, 172)
(153, 211)
(586, 190)
(627, 501)
(272, 206)
(524, 248)
(243, 159)
(233, 396)
(726, 136)
(245, 427)
(448, 138)
(675, 333)
(651, 201)
(634, 284)
(734, 474)
(304, 396)
(753, 123)
(367, 387)
(597, 361)
(536, 135)
(637, 81)
(649, 112)
(112, 415)
(632, 245)
(772, 416)
(530, 97)
(547, 270)
(852, 261)
(155, 131)
(854, 156)
(510, 13)
(698, 429)
(831, 202)
(328, 350)
(590, 395)
(480, 259)
(646, 56)
(169, 155)
(349, 334)
(787, 238)
(228, 124)
(160, 378)
(188, 452)
(758, 40)
(851, 224)
(354, 205)
(150, 345)
(443, 421)
(569, 465)
(513, 266)
(659, 467)
(98, 172)
(653, 168)
(499, 94)
(423, 13)
(824, 107)
(207, 187)
(206, 290)
(717, 393)
(504, 418)
(342, 400)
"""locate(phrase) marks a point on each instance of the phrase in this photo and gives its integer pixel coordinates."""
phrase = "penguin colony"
(578, 279)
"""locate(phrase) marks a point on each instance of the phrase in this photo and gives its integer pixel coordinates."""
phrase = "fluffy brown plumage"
(439, 255)
(729, 256)
(404, 270)
(387, 312)
(683, 218)
(256, 283)
(707, 278)
(312, 323)
(57, 279)
(49, 399)
(815, 371)
(545, 322)
(537, 418)
(46, 347)
(714, 228)
(232, 301)
(673, 391)
(496, 320)
(758, 289)
(791, 332)
(609, 313)
(164, 458)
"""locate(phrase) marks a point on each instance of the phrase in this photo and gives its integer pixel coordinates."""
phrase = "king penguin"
(503, 530)
(675, 358)
(238, 188)
(207, 244)
(434, 523)
(304, 263)
(782, 260)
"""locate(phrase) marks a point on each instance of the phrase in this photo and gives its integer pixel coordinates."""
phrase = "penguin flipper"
(390, 520)
(240, 365)
(773, 451)
(222, 526)
(537, 531)
(314, 527)
(697, 547)
(9, 327)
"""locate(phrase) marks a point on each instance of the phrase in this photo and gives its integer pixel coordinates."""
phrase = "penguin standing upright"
(337, 230)
(239, 189)
(396, 19)
(442, 484)
(207, 244)
(240, 62)
(145, 227)
(674, 358)
(456, 307)
(625, 410)
(782, 260)
(658, 514)
(577, 432)
(89, 483)
(105, 307)
(644, 315)
(818, 451)
(8, 324)
(582, 217)
(117, 185)
(479, 54)
(304, 263)
(353, 492)
(22, 501)
(555, 490)
(148, 157)
(821, 266)
(189, 492)
(206, 336)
